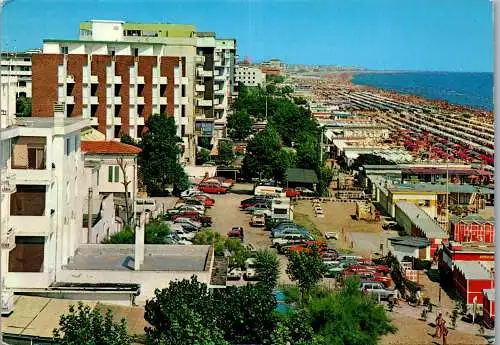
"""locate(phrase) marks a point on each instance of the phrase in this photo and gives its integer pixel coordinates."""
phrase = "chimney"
(139, 244)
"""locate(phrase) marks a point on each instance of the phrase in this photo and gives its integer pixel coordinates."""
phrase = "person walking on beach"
(419, 297)
(444, 332)
(396, 297)
(438, 322)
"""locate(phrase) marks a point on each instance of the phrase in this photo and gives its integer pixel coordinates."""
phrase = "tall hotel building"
(118, 74)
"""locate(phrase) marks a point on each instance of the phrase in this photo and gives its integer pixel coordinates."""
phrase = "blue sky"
(445, 35)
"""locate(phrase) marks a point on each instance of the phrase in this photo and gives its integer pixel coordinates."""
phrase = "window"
(136, 51)
(64, 50)
(183, 110)
(183, 130)
(67, 146)
(183, 90)
(113, 173)
(76, 143)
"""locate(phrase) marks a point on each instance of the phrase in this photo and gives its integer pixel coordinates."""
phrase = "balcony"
(177, 81)
(117, 100)
(199, 59)
(204, 102)
(33, 225)
(219, 90)
(199, 88)
(220, 77)
(94, 121)
(26, 280)
(117, 121)
(70, 99)
(8, 239)
(163, 100)
(160, 80)
(113, 79)
(184, 80)
(138, 100)
(200, 72)
(34, 176)
(7, 181)
(94, 79)
(139, 121)
(184, 100)
(94, 100)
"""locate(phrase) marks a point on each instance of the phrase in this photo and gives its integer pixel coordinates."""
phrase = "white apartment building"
(18, 66)
(42, 199)
(249, 76)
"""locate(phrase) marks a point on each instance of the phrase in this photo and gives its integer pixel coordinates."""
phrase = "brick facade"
(167, 66)
(44, 83)
(75, 69)
(98, 68)
(145, 69)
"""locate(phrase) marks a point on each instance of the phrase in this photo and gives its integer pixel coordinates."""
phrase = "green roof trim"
(301, 175)
(51, 40)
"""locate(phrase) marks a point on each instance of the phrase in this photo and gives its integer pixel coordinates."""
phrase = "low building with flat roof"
(416, 247)
(471, 278)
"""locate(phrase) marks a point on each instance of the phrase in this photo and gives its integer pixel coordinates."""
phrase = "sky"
(431, 35)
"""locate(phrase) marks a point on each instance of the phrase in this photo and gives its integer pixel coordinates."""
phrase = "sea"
(460, 88)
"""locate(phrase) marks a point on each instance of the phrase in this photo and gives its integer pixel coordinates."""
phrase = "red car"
(208, 202)
(212, 188)
(205, 220)
(236, 232)
(375, 268)
(291, 193)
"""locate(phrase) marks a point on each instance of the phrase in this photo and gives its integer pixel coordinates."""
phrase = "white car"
(334, 235)
(303, 190)
(183, 208)
(290, 237)
(234, 274)
(189, 192)
(250, 272)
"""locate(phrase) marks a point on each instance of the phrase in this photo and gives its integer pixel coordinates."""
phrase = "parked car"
(195, 207)
(251, 202)
(207, 201)
(193, 201)
(185, 234)
(185, 220)
(332, 235)
(290, 238)
(389, 225)
(289, 230)
(212, 188)
(307, 247)
(286, 226)
(184, 208)
(257, 206)
(234, 274)
(204, 220)
(304, 191)
(173, 238)
(259, 219)
(271, 222)
(190, 192)
(236, 232)
(377, 289)
(291, 192)
(249, 273)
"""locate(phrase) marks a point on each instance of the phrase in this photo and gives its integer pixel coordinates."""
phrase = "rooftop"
(301, 175)
(422, 220)
(156, 258)
(108, 147)
(472, 218)
(474, 270)
(439, 188)
(473, 247)
(410, 241)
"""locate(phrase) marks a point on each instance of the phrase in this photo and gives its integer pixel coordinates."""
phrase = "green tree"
(156, 232)
(267, 267)
(308, 156)
(287, 90)
(306, 269)
(87, 326)
(237, 252)
(23, 106)
(202, 156)
(160, 156)
(293, 328)
(125, 236)
(325, 176)
(127, 139)
(246, 313)
(183, 314)
(210, 237)
(239, 125)
(299, 101)
(263, 158)
(226, 153)
(348, 317)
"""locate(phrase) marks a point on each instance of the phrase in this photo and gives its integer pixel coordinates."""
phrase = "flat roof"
(156, 257)
(410, 241)
(422, 220)
(439, 188)
(473, 270)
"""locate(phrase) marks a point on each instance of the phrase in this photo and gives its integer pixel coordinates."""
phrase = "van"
(267, 190)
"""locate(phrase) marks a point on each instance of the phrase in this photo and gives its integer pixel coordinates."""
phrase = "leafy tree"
(306, 269)
(267, 267)
(286, 90)
(237, 252)
(275, 78)
(159, 157)
(299, 100)
(87, 326)
(293, 328)
(293, 121)
(369, 159)
(348, 317)
(127, 139)
(246, 313)
(155, 232)
(226, 153)
(202, 156)
(308, 152)
(183, 314)
(263, 158)
(325, 176)
(239, 125)
(23, 106)
(205, 142)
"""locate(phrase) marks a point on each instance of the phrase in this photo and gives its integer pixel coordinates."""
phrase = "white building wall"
(8, 90)
(249, 76)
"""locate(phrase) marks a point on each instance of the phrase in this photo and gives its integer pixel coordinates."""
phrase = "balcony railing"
(7, 181)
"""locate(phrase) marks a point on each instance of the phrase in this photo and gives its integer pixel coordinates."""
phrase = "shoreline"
(442, 105)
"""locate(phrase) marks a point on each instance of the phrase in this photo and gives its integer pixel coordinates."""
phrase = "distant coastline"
(413, 94)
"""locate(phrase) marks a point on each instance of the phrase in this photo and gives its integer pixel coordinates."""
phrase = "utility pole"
(447, 192)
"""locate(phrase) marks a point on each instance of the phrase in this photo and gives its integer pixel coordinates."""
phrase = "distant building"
(472, 278)
(473, 228)
(272, 67)
(249, 76)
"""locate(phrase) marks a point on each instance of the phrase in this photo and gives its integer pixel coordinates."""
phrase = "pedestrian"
(438, 322)
(242, 236)
(396, 297)
(419, 297)
(444, 333)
